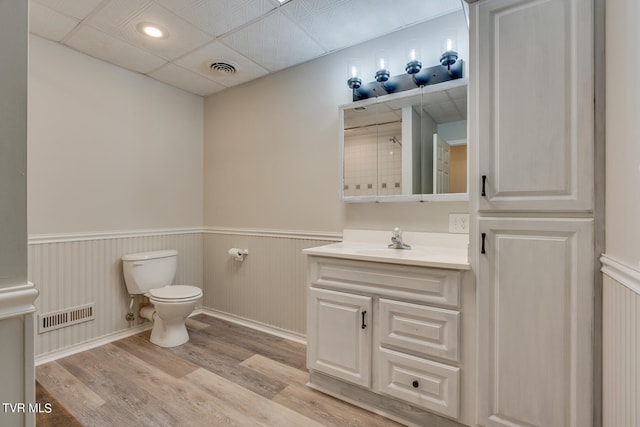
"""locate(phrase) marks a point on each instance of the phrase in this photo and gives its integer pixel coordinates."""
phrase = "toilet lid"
(176, 292)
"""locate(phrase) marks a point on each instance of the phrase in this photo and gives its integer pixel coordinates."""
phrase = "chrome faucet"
(396, 240)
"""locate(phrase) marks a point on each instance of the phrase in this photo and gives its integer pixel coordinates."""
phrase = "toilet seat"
(177, 293)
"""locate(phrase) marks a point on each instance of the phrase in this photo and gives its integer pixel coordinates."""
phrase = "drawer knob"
(415, 384)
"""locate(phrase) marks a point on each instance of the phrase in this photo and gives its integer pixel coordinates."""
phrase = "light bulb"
(449, 44)
(152, 30)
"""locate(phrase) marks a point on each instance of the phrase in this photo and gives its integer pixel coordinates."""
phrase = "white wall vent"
(67, 317)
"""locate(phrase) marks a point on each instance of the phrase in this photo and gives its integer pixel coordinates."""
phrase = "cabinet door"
(532, 102)
(339, 335)
(535, 323)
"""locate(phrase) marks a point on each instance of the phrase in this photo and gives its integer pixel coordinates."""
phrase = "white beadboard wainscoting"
(621, 344)
(269, 286)
(77, 269)
(266, 291)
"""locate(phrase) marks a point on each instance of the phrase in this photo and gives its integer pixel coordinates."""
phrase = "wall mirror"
(408, 146)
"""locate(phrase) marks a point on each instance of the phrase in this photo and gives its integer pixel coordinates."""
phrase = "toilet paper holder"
(238, 254)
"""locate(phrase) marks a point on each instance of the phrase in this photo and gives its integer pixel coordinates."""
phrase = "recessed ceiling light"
(152, 30)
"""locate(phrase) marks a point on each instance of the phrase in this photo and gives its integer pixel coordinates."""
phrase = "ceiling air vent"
(223, 68)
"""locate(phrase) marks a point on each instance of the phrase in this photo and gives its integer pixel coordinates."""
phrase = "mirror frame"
(448, 197)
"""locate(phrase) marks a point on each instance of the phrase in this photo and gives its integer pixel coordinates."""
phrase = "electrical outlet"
(458, 223)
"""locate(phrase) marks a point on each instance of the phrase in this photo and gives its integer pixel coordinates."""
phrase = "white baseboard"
(87, 345)
(115, 336)
(278, 332)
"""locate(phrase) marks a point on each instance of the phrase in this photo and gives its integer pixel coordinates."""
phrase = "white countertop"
(439, 250)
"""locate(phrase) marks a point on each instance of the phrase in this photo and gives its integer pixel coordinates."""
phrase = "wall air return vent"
(67, 317)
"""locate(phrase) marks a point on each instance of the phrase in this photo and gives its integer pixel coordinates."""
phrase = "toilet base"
(165, 335)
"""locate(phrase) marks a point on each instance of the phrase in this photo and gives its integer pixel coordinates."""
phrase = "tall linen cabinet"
(531, 134)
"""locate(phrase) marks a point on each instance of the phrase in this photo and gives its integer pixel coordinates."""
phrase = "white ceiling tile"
(414, 11)
(461, 104)
(458, 92)
(336, 24)
(78, 9)
(186, 80)
(48, 23)
(274, 42)
(120, 18)
(100, 45)
(217, 17)
(200, 61)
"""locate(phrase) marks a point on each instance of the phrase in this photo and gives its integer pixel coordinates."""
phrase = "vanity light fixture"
(450, 68)
(152, 30)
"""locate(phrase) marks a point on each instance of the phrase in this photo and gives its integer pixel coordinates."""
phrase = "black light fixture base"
(425, 77)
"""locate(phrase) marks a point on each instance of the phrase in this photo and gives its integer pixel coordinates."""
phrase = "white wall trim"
(621, 273)
(262, 327)
(36, 239)
(17, 300)
(87, 345)
(285, 234)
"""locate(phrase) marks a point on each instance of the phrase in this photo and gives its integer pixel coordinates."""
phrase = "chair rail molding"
(17, 300)
(621, 272)
(35, 239)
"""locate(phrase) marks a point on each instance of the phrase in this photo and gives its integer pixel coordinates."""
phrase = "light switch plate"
(459, 223)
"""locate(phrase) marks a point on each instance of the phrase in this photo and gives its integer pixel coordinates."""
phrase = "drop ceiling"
(257, 37)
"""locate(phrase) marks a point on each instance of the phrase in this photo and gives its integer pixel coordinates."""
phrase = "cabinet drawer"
(429, 331)
(421, 382)
(420, 284)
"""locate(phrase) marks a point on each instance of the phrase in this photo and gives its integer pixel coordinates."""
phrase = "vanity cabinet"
(531, 135)
(393, 330)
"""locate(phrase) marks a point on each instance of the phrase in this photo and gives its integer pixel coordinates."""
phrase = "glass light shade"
(448, 46)
(413, 57)
(449, 41)
(354, 68)
(382, 66)
(354, 73)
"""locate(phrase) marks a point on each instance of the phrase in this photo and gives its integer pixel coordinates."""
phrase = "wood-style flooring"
(226, 375)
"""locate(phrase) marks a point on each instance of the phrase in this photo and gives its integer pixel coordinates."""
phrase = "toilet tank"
(149, 270)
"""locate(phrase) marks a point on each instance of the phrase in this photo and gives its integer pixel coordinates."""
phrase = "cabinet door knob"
(364, 325)
(415, 384)
(484, 236)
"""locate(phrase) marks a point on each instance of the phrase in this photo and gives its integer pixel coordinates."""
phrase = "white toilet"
(151, 274)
